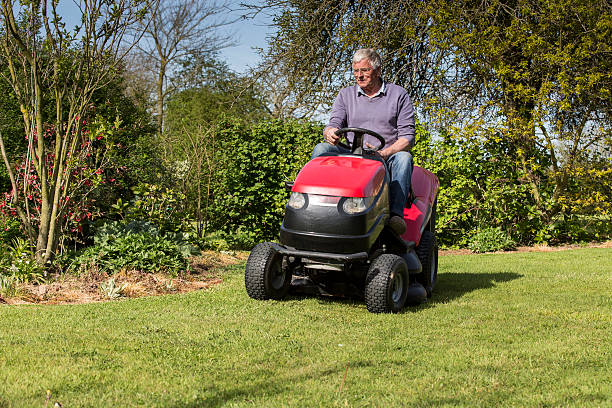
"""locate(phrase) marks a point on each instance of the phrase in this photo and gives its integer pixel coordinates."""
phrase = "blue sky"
(249, 34)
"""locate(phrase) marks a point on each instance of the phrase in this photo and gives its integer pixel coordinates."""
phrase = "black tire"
(432, 219)
(265, 276)
(386, 284)
(427, 251)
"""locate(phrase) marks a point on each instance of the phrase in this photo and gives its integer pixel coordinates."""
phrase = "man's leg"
(400, 164)
(325, 147)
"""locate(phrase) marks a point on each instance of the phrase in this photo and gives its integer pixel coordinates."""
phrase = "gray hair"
(370, 54)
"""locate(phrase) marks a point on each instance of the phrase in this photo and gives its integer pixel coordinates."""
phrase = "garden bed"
(87, 287)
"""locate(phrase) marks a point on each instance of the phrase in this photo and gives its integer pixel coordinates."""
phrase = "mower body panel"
(425, 186)
(322, 225)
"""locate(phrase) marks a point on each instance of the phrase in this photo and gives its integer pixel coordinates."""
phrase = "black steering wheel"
(357, 145)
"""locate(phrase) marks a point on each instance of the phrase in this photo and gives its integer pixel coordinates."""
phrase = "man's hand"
(330, 136)
(398, 146)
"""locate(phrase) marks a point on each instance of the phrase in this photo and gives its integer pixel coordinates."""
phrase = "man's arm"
(399, 145)
(405, 120)
(337, 119)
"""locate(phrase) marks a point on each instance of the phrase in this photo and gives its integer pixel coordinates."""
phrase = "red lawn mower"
(335, 238)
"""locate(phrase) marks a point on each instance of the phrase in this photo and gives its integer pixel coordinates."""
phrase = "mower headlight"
(297, 200)
(355, 205)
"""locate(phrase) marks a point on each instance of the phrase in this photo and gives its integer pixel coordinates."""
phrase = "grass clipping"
(98, 287)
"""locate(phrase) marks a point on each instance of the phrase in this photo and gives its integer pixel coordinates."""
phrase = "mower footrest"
(322, 256)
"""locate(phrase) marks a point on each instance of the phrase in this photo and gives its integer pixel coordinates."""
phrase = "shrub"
(575, 228)
(491, 239)
(18, 263)
(249, 190)
(8, 286)
(10, 229)
(161, 206)
(136, 245)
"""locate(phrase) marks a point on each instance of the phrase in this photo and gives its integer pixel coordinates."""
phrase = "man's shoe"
(397, 224)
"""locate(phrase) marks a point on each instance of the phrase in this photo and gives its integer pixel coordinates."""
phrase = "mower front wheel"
(386, 284)
(266, 277)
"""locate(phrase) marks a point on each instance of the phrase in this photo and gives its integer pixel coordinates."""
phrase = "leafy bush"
(135, 245)
(480, 185)
(575, 228)
(159, 205)
(250, 197)
(18, 263)
(10, 229)
(491, 239)
(8, 286)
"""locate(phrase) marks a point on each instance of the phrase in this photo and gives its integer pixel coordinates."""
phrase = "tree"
(56, 70)
(309, 56)
(175, 30)
(190, 144)
(544, 67)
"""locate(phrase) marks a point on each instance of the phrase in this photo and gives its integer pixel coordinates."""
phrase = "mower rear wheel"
(266, 276)
(386, 284)
(427, 252)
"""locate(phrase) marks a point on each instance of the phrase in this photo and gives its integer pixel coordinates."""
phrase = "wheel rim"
(397, 288)
(277, 276)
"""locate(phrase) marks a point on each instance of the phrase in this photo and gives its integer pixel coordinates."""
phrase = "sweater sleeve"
(405, 119)
(338, 116)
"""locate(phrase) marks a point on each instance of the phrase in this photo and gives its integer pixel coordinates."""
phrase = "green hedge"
(252, 168)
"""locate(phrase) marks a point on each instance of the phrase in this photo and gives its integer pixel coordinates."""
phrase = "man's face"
(366, 77)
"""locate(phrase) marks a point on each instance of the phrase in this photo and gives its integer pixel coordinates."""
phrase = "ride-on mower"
(335, 238)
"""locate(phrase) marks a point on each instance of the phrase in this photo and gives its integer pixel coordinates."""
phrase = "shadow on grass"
(270, 385)
(451, 286)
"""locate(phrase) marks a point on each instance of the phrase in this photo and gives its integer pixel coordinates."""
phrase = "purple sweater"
(390, 113)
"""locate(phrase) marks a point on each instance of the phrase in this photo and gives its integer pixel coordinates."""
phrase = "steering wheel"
(357, 145)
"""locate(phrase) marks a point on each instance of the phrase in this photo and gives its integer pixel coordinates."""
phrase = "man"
(385, 108)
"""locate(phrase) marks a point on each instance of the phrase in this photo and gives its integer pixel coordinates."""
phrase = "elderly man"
(385, 108)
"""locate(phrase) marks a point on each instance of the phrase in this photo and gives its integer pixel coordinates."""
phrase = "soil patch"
(87, 288)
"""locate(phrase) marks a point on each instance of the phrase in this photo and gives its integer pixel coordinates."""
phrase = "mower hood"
(343, 176)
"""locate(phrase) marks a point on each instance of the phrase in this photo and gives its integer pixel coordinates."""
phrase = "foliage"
(111, 289)
(54, 73)
(10, 125)
(176, 30)
(163, 207)
(250, 174)
(10, 229)
(91, 175)
(189, 144)
(8, 286)
(18, 263)
(543, 69)
(137, 245)
(576, 228)
(519, 93)
(491, 239)
(309, 55)
(481, 188)
(213, 92)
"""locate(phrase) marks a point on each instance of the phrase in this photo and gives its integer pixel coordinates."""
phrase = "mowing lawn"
(515, 329)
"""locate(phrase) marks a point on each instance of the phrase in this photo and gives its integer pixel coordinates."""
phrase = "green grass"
(518, 329)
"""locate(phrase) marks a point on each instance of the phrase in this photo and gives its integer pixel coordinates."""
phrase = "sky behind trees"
(249, 34)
